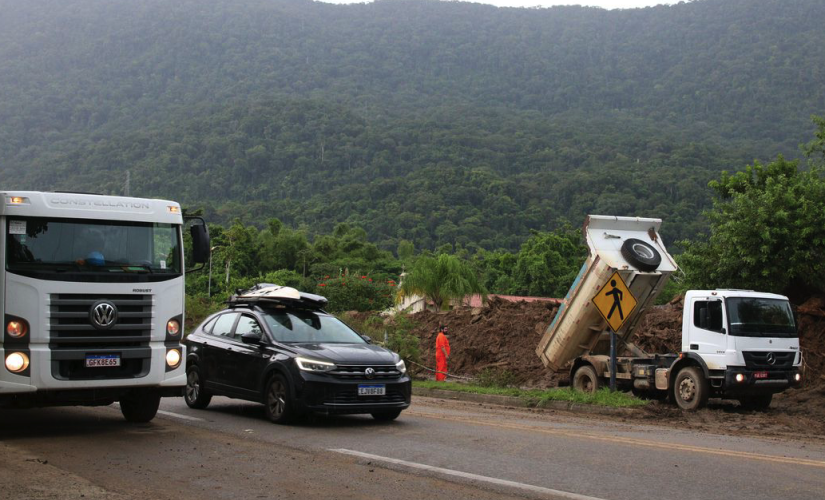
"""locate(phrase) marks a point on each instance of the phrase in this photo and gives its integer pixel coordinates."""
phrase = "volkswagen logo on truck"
(103, 314)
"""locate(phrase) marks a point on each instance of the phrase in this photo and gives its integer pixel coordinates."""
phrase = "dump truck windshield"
(42, 247)
(756, 317)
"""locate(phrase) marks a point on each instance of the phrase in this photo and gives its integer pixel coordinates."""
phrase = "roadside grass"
(602, 397)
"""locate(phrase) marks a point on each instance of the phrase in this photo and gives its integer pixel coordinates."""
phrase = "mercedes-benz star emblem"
(103, 314)
(771, 359)
(369, 372)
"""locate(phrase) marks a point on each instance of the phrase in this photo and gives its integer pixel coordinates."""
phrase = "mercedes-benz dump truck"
(736, 344)
(92, 300)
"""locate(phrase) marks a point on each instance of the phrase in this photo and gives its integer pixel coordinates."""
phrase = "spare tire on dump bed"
(641, 255)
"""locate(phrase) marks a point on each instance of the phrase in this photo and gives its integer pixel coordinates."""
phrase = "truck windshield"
(753, 317)
(299, 326)
(73, 248)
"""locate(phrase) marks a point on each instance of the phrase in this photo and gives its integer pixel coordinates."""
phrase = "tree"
(767, 231)
(442, 278)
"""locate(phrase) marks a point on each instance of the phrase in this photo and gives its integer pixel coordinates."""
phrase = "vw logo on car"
(103, 314)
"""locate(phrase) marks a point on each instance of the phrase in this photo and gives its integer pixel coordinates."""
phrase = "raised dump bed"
(630, 246)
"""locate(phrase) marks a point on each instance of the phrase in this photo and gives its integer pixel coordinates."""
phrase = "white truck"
(92, 300)
(736, 344)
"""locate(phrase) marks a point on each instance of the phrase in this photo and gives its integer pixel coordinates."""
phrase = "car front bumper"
(334, 396)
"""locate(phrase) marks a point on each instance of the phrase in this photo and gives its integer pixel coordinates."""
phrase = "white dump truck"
(92, 297)
(736, 344)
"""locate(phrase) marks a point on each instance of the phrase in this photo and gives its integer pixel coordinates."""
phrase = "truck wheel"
(586, 380)
(278, 405)
(140, 405)
(756, 402)
(195, 395)
(691, 389)
(641, 255)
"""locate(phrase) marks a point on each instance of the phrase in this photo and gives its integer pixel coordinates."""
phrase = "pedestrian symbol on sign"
(615, 302)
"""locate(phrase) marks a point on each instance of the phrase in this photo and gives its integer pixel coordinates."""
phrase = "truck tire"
(140, 405)
(586, 380)
(641, 255)
(195, 395)
(691, 389)
(759, 402)
(278, 404)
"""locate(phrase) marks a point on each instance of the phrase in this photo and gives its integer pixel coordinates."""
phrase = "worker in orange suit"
(442, 353)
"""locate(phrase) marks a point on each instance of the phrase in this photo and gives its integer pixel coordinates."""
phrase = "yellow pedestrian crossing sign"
(615, 302)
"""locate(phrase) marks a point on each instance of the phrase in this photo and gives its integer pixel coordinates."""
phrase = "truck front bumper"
(744, 381)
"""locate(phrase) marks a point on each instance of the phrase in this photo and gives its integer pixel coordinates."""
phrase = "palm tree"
(441, 279)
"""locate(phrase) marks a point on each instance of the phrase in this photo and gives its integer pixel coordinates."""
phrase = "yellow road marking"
(625, 440)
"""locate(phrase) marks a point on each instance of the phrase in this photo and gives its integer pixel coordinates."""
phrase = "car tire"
(759, 402)
(641, 255)
(386, 416)
(278, 404)
(140, 405)
(691, 389)
(195, 395)
(585, 380)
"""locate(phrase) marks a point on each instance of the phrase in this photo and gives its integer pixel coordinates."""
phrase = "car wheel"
(140, 405)
(586, 380)
(195, 395)
(759, 402)
(278, 405)
(386, 416)
(691, 389)
(641, 255)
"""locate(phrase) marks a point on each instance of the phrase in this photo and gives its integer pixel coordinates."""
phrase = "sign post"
(615, 302)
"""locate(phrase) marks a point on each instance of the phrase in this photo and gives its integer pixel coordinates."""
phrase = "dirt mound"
(501, 337)
(811, 316)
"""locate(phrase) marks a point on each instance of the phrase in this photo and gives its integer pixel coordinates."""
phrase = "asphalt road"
(437, 449)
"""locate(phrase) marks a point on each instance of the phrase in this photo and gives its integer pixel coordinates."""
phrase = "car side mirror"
(251, 338)
(366, 339)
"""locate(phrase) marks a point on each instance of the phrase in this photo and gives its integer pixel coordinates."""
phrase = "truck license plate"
(98, 360)
(760, 374)
(372, 390)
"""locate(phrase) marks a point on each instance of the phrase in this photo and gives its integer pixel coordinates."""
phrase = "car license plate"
(98, 360)
(372, 390)
(760, 374)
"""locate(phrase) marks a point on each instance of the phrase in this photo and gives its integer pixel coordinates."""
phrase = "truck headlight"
(312, 365)
(401, 366)
(797, 377)
(740, 377)
(172, 327)
(172, 358)
(17, 328)
(16, 362)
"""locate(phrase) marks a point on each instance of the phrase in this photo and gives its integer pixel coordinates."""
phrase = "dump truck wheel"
(641, 255)
(691, 389)
(586, 380)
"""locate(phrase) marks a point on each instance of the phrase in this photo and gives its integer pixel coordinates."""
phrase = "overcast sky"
(607, 4)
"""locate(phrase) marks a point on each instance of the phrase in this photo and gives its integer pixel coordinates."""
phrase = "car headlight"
(313, 365)
(401, 366)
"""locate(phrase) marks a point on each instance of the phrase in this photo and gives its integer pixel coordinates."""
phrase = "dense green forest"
(430, 122)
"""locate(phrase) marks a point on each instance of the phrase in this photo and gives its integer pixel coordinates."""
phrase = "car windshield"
(298, 326)
(752, 317)
(43, 245)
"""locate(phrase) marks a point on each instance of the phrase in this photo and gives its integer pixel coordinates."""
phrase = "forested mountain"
(437, 122)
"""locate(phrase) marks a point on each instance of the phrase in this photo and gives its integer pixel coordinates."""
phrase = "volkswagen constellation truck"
(736, 344)
(92, 300)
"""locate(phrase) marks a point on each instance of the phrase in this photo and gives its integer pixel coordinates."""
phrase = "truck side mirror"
(200, 243)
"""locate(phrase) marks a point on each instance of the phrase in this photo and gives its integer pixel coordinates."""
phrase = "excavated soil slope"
(503, 337)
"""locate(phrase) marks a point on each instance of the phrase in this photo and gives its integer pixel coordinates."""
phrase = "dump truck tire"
(586, 380)
(641, 255)
(759, 402)
(691, 389)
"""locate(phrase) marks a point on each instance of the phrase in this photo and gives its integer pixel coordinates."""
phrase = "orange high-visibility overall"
(442, 346)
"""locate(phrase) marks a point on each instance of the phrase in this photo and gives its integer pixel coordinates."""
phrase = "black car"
(277, 346)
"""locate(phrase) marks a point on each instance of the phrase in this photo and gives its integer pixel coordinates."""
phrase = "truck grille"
(382, 372)
(760, 360)
(70, 326)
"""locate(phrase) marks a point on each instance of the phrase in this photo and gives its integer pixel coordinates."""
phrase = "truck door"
(706, 333)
